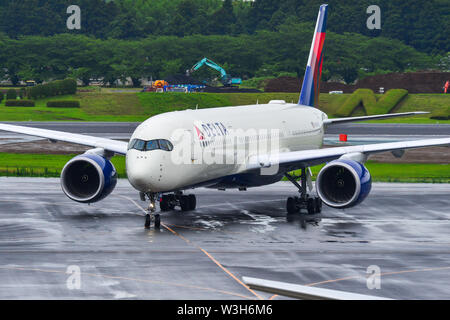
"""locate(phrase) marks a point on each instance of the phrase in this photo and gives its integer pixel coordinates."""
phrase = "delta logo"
(210, 130)
(200, 135)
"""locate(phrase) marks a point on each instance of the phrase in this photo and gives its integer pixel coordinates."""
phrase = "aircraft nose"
(138, 174)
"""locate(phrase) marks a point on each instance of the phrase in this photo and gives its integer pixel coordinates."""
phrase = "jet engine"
(343, 183)
(88, 178)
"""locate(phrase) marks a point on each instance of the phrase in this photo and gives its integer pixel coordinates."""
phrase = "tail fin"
(309, 96)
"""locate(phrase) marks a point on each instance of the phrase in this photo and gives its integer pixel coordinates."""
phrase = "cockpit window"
(139, 145)
(166, 145)
(142, 145)
(131, 144)
(152, 145)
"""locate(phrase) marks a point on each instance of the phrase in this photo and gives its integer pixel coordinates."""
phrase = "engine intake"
(88, 178)
(343, 183)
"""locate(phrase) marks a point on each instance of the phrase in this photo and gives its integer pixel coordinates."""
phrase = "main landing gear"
(305, 201)
(167, 202)
(178, 199)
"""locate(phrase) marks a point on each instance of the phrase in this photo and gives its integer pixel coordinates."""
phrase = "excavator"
(226, 79)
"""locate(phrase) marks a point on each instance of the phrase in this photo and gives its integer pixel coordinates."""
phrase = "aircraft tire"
(291, 206)
(192, 202)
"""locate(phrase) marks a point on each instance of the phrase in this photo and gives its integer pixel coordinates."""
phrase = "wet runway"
(401, 228)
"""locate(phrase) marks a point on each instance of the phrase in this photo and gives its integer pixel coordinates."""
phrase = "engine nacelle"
(88, 178)
(343, 183)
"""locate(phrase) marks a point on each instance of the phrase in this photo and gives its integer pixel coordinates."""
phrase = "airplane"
(226, 148)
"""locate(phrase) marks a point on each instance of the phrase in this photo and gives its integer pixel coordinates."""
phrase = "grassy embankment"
(39, 165)
(108, 105)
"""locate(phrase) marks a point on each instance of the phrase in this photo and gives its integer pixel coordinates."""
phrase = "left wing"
(305, 158)
(374, 117)
(115, 146)
(304, 292)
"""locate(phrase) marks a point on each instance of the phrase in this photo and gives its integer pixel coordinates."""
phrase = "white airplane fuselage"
(240, 129)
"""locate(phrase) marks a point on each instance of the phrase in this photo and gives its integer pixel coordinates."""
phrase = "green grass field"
(404, 172)
(39, 165)
(120, 105)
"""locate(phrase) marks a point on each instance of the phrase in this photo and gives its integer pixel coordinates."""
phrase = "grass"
(403, 172)
(41, 165)
(108, 105)
(256, 83)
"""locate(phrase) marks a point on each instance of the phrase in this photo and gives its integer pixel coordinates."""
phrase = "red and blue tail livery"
(309, 96)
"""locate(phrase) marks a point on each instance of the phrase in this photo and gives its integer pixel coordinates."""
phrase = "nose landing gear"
(167, 202)
(310, 203)
(150, 211)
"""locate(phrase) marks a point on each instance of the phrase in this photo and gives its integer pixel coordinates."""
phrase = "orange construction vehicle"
(160, 84)
(156, 86)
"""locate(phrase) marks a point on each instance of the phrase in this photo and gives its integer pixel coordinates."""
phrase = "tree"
(222, 21)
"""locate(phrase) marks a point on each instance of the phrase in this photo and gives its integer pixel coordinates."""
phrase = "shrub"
(441, 114)
(22, 93)
(69, 86)
(389, 101)
(19, 103)
(11, 94)
(35, 92)
(54, 88)
(63, 104)
(367, 98)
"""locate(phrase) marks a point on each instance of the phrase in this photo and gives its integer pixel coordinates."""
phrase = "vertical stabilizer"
(309, 96)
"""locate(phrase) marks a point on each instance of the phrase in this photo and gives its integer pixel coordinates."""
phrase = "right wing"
(306, 158)
(115, 146)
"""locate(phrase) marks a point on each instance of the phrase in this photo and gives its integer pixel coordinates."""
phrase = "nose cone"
(140, 171)
(137, 175)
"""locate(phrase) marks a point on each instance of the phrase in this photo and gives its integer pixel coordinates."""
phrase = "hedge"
(11, 94)
(441, 114)
(19, 103)
(63, 104)
(385, 104)
(54, 88)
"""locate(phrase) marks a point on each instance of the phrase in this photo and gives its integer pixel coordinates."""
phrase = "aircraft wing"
(303, 292)
(305, 158)
(374, 117)
(115, 146)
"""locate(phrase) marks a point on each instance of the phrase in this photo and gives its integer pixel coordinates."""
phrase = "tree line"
(265, 53)
(420, 24)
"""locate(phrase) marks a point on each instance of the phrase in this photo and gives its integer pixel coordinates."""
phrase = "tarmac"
(53, 248)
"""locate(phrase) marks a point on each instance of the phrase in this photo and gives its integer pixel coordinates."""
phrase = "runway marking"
(131, 279)
(134, 202)
(205, 252)
(215, 261)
